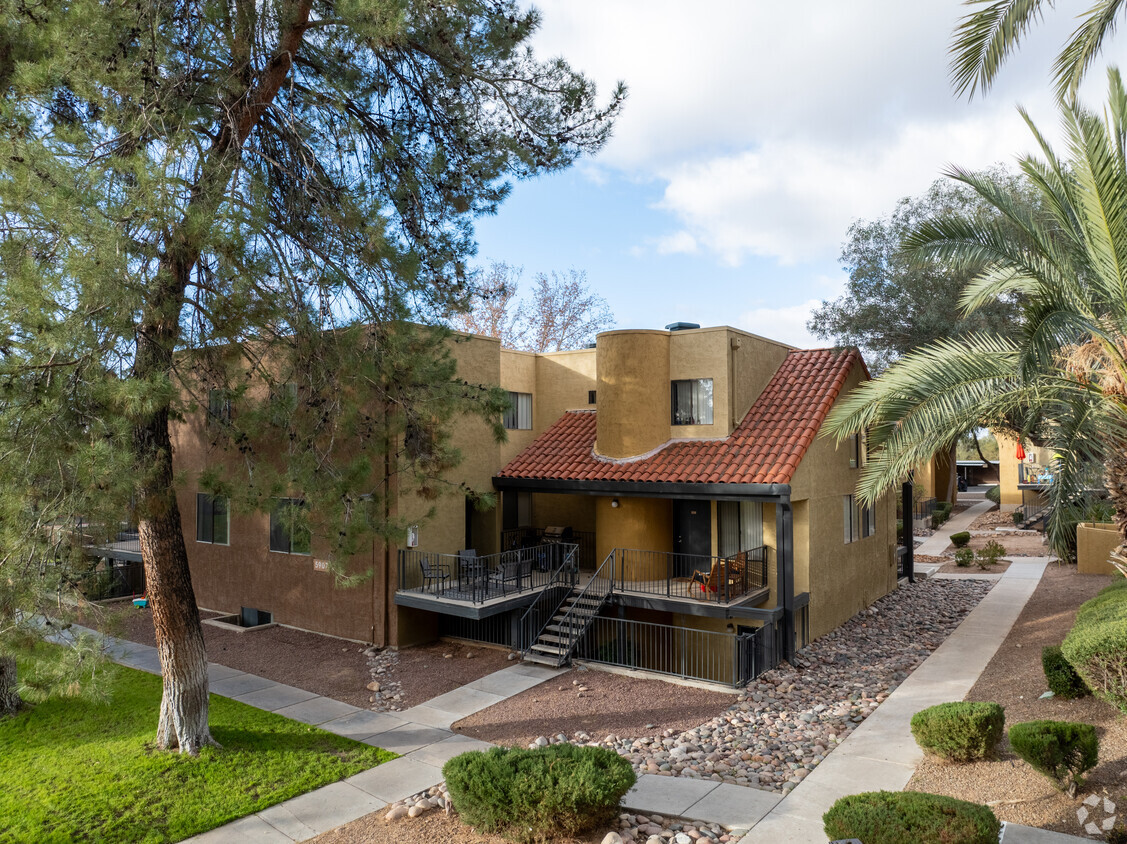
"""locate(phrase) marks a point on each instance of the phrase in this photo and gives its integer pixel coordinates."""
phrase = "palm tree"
(986, 37)
(1061, 377)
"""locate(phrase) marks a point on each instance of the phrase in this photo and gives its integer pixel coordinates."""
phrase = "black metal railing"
(577, 619)
(524, 537)
(713, 579)
(466, 577)
(106, 582)
(563, 581)
(923, 508)
(691, 654)
(1032, 512)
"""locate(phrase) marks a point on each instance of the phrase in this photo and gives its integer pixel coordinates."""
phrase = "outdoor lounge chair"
(434, 573)
(729, 572)
(515, 567)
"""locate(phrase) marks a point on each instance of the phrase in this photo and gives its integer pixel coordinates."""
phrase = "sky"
(753, 135)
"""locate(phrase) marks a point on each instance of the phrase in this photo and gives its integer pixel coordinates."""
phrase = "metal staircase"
(556, 639)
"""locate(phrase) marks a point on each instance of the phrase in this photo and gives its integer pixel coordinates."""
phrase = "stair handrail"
(566, 571)
(568, 625)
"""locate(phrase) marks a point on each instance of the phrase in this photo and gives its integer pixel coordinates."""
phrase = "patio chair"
(470, 568)
(515, 567)
(434, 573)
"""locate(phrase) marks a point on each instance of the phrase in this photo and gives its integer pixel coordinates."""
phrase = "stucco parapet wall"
(684, 332)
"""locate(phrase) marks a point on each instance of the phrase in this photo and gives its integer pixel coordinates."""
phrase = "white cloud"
(773, 129)
(786, 324)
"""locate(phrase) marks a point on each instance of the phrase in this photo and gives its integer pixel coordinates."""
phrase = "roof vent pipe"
(681, 326)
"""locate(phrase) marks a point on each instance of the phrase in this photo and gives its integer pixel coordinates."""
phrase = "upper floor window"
(287, 532)
(854, 444)
(691, 402)
(213, 519)
(218, 405)
(590, 397)
(519, 415)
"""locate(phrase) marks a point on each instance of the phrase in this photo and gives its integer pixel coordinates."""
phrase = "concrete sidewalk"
(935, 544)
(881, 753)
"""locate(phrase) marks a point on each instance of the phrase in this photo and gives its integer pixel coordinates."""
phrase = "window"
(519, 415)
(854, 444)
(740, 526)
(590, 397)
(213, 520)
(691, 402)
(287, 534)
(860, 522)
(868, 521)
(218, 405)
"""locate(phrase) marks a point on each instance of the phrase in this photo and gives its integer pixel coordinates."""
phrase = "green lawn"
(78, 771)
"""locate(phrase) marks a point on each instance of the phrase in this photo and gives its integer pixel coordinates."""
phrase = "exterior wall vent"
(681, 326)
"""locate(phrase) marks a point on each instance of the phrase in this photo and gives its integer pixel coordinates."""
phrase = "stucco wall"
(842, 578)
(563, 380)
(642, 523)
(633, 392)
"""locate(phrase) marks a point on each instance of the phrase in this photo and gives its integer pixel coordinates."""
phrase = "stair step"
(548, 649)
(541, 660)
(550, 637)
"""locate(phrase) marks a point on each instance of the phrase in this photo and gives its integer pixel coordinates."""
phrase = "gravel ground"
(595, 703)
(1014, 679)
(331, 667)
(994, 518)
(782, 725)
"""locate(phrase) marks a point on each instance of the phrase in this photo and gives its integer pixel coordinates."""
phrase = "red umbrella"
(1020, 451)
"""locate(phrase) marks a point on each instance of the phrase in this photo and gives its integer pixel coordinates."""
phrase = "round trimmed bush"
(961, 731)
(964, 557)
(1096, 646)
(960, 539)
(1062, 678)
(896, 817)
(1061, 750)
(994, 494)
(534, 795)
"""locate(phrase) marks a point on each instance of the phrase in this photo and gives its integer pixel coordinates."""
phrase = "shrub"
(1096, 646)
(894, 817)
(1018, 517)
(959, 732)
(964, 557)
(990, 553)
(960, 539)
(1061, 750)
(533, 795)
(936, 519)
(1061, 676)
(994, 494)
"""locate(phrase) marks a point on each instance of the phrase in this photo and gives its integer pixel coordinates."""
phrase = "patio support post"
(906, 506)
(784, 567)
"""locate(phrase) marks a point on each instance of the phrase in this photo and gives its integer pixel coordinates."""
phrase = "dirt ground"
(611, 705)
(431, 828)
(1015, 680)
(331, 667)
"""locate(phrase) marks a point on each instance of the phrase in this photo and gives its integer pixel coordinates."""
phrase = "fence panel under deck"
(112, 579)
(494, 630)
(714, 657)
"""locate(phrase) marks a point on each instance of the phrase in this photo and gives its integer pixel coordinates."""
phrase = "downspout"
(784, 571)
(908, 508)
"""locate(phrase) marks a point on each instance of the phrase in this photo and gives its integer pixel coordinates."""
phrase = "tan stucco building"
(670, 480)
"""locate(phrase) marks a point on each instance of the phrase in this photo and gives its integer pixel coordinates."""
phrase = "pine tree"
(239, 196)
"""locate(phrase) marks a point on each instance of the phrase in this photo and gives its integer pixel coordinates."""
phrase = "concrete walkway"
(881, 753)
(935, 544)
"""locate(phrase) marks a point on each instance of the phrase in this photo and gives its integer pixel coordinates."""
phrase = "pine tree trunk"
(9, 698)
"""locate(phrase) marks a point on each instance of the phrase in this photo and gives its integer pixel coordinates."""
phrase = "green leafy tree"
(278, 186)
(894, 302)
(986, 37)
(1061, 380)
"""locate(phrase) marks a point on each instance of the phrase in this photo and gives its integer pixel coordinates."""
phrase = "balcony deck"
(481, 594)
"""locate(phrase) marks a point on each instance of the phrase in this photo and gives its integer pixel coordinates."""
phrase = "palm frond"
(984, 38)
(1083, 46)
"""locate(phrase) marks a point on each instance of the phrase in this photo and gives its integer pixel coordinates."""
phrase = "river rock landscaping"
(785, 722)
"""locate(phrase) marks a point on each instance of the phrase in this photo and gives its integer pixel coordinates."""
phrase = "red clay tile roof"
(765, 448)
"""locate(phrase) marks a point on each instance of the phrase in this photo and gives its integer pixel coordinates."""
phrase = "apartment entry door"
(692, 537)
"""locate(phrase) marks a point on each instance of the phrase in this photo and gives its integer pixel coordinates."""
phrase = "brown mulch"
(430, 828)
(335, 668)
(612, 704)
(1014, 679)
